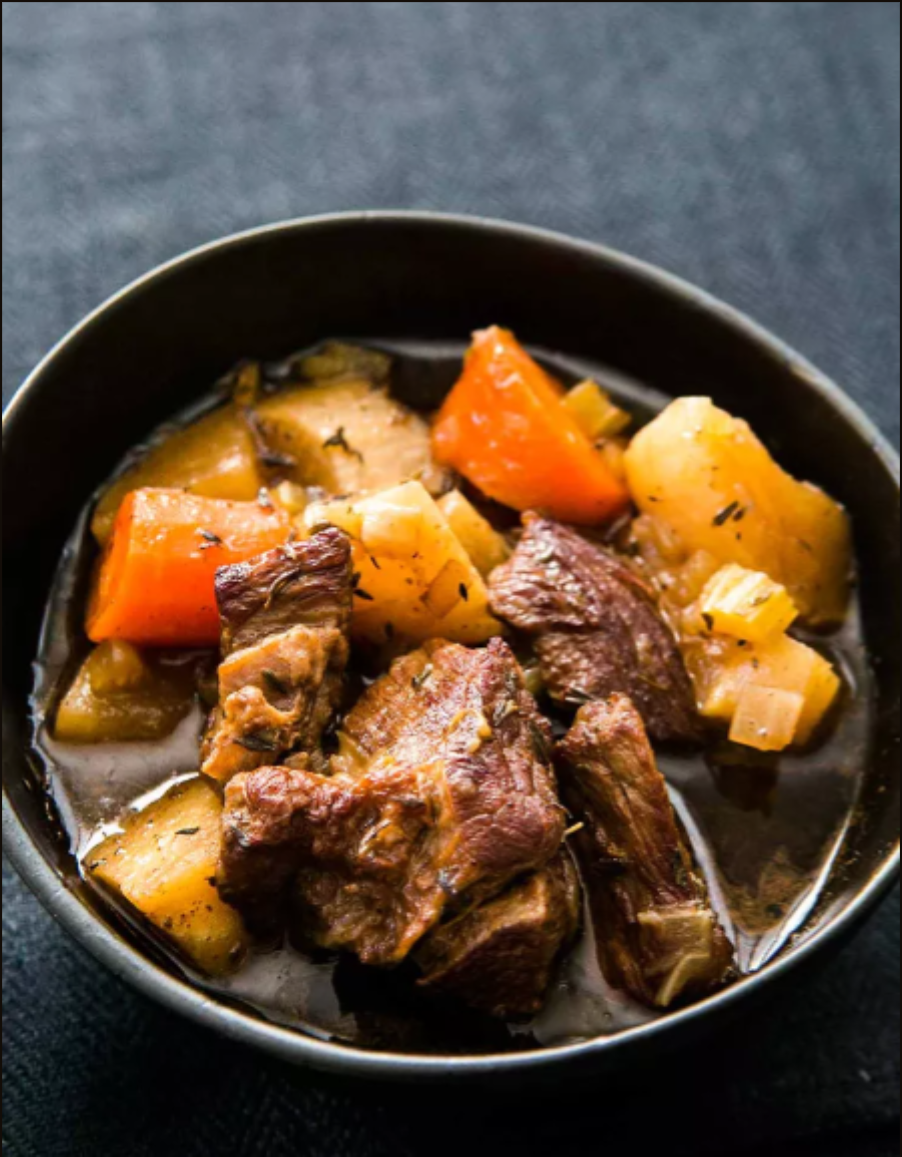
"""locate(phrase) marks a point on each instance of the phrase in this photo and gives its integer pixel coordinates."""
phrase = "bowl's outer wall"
(160, 345)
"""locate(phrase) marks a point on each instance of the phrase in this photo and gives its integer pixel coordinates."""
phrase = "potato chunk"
(214, 457)
(346, 436)
(781, 671)
(414, 580)
(122, 696)
(485, 546)
(164, 865)
(705, 476)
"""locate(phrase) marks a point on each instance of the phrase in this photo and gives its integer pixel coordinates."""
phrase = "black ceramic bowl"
(159, 343)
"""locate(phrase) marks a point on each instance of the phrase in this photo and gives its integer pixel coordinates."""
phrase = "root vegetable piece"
(414, 580)
(164, 865)
(504, 427)
(782, 665)
(707, 478)
(485, 546)
(118, 696)
(214, 457)
(346, 436)
(156, 584)
(766, 718)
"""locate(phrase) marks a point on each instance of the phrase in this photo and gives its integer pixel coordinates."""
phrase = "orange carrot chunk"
(505, 428)
(155, 585)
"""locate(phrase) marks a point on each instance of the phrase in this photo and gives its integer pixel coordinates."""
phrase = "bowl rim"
(180, 995)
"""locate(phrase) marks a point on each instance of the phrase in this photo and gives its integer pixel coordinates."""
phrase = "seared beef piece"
(657, 934)
(285, 617)
(442, 795)
(301, 584)
(596, 627)
(499, 958)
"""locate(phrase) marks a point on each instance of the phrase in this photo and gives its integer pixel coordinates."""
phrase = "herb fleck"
(464, 593)
(740, 514)
(709, 621)
(210, 539)
(340, 442)
(187, 831)
(726, 514)
(418, 680)
(359, 593)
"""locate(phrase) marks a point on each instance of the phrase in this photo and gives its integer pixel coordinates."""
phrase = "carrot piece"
(504, 427)
(156, 583)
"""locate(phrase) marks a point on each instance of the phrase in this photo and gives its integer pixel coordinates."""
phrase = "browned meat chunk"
(285, 617)
(500, 957)
(595, 626)
(442, 794)
(657, 934)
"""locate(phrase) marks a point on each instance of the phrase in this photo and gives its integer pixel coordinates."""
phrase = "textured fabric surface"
(750, 147)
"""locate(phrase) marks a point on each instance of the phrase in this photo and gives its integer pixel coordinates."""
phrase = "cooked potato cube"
(766, 718)
(346, 436)
(120, 696)
(707, 478)
(783, 665)
(164, 865)
(417, 586)
(593, 409)
(747, 604)
(485, 546)
(214, 457)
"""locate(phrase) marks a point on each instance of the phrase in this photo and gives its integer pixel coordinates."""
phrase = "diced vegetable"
(766, 718)
(164, 865)
(504, 427)
(707, 478)
(414, 579)
(597, 415)
(783, 665)
(119, 696)
(485, 546)
(747, 604)
(347, 436)
(336, 360)
(214, 457)
(156, 584)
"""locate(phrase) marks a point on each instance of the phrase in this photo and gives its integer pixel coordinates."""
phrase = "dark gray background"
(753, 148)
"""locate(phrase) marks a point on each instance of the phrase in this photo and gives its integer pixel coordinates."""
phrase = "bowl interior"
(159, 345)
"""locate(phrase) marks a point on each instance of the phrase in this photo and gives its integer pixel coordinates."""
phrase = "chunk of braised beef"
(595, 627)
(500, 957)
(285, 617)
(441, 795)
(658, 936)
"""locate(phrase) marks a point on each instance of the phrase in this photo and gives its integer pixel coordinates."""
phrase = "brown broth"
(765, 830)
